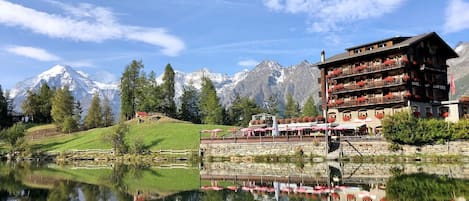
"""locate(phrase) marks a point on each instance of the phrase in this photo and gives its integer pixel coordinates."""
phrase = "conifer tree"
(212, 111)
(309, 108)
(190, 109)
(62, 107)
(30, 106)
(108, 117)
(4, 116)
(45, 103)
(129, 82)
(242, 110)
(93, 118)
(291, 107)
(169, 106)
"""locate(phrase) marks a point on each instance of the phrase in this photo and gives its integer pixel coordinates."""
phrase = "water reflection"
(235, 181)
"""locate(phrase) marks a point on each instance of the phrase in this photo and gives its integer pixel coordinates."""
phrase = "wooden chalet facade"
(370, 81)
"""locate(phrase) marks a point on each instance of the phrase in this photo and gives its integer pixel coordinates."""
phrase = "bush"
(404, 128)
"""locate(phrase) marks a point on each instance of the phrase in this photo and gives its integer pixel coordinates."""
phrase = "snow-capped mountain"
(267, 79)
(81, 86)
(222, 82)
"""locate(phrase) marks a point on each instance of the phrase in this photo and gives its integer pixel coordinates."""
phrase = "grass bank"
(154, 135)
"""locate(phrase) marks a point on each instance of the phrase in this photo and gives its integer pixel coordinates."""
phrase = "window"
(382, 45)
(369, 48)
(356, 51)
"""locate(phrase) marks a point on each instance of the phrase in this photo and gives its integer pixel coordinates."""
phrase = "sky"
(224, 36)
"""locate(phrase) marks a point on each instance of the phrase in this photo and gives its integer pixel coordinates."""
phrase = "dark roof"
(409, 41)
(397, 38)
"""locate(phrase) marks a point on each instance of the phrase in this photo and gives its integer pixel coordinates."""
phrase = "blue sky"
(225, 36)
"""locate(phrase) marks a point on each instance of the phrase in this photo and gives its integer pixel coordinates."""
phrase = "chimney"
(323, 56)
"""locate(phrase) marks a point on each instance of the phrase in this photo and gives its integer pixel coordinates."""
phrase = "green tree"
(62, 106)
(30, 106)
(129, 82)
(242, 110)
(190, 109)
(212, 111)
(69, 125)
(291, 107)
(45, 103)
(13, 136)
(93, 118)
(117, 138)
(108, 116)
(3, 109)
(309, 108)
(77, 112)
(168, 104)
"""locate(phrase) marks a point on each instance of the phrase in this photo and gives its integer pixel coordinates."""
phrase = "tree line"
(141, 92)
(58, 106)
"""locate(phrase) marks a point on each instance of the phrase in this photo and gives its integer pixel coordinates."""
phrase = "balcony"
(367, 85)
(387, 65)
(365, 101)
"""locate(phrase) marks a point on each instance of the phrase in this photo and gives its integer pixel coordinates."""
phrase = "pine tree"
(190, 109)
(291, 107)
(309, 108)
(30, 106)
(129, 82)
(212, 111)
(153, 93)
(242, 110)
(93, 118)
(4, 117)
(108, 117)
(62, 107)
(169, 106)
(45, 103)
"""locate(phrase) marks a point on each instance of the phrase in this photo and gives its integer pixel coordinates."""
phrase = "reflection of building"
(376, 79)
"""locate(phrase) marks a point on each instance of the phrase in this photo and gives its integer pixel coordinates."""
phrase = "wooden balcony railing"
(368, 85)
(358, 102)
(365, 69)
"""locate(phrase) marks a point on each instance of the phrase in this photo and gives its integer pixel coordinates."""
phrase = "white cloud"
(105, 77)
(248, 63)
(86, 22)
(457, 16)
(330, 15)
(32, 52)
(273, 4)
(79, 63)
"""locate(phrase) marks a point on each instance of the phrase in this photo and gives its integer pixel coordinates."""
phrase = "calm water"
(235, 181)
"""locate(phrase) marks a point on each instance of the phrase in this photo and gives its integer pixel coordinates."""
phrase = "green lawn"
(155, 136)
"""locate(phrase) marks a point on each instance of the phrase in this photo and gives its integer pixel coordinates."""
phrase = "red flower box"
(389, 96)
(429, 114)
(311, 119)
(407, 94)
(417, 114)
(339, 102)
(389, 62)
(361, 99)
(379, 115)
(361, 83)
(360, 68)
(362, 117)
(389, 79)
(320, 118)
(337, 71)
(330, 119)
(445, 114)
(346, 118)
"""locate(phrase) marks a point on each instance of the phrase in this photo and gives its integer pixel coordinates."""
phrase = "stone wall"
(349, 170)
(263, 148)
(366, 148)
(382, 148)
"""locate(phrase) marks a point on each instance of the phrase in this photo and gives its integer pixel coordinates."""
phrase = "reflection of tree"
(90, 192)
(425, 187)
(213, 196)
(64, 190)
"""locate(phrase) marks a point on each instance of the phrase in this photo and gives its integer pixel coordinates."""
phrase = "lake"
(232, 181)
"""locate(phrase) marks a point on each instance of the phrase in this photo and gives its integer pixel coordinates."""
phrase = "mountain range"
(268, 78)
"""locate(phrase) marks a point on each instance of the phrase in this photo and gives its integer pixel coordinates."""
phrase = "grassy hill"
(155, 135)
